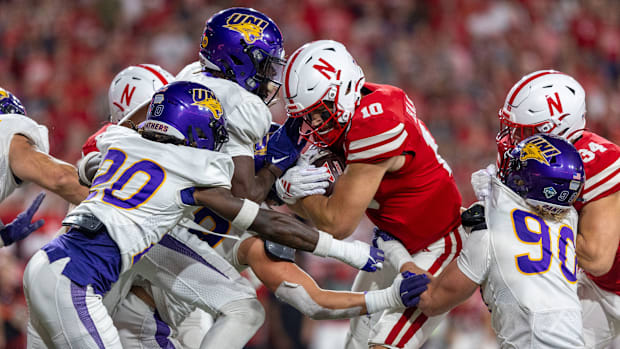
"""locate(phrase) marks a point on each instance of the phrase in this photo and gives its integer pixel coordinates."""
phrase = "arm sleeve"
(474, 258)
(12, 124)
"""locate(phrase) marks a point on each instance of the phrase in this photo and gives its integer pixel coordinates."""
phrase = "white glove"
(481, 181)
(301, 181)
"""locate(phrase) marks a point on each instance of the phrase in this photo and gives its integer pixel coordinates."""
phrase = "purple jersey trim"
(78, 296)
(95, 261)
(175, 245)
(162, 332)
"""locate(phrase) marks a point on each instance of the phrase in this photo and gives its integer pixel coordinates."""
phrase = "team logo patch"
(549, 192)
(539, 149)
(249, 26)
(204, 98)
(3, 94)
(158, 98)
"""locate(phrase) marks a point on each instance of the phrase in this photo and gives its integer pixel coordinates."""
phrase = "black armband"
(279, 252)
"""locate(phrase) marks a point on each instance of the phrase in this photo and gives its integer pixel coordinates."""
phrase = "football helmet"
(246, 46)
(9, 104)
(545, 101)
(322, 78)
(189, 112)
(133, 88)
(546, 171)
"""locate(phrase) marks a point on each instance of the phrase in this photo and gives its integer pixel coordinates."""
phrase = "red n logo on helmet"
(326, 67)
(554, 104)
(127, 95)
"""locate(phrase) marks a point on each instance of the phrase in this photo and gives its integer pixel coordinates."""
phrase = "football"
(334, 163)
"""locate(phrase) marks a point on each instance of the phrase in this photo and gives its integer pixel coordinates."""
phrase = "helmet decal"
(251, 27)
(204, 98)
(3, 94)
(539, 149)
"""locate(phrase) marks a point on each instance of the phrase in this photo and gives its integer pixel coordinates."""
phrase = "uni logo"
(249, 26)
(3, 94)
(538, 149)
(204, 98)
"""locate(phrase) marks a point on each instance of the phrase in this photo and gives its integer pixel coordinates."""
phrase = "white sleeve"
(473, 261)
(247, 124)
(12, 124)
(218, 172)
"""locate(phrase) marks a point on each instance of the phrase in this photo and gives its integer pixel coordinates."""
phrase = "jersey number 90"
(537, 233)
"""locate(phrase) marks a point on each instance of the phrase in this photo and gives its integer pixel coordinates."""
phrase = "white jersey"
(526, 266)
(137, 191)
(10, 125)
(248, 118)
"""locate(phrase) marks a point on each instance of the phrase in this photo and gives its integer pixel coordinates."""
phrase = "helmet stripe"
(155, 72)
(516, 92)
(288, 72)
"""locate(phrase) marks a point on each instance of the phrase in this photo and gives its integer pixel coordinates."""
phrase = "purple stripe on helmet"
(175, 245)
(78, 296)
(162, 332)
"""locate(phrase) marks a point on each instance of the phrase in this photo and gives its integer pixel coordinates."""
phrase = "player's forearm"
(321, 212)
(286, 230)
(591, 258)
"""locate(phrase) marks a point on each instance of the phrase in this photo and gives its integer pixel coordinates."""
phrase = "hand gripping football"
(334, 163)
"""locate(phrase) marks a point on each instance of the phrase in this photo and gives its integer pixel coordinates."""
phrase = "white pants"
(62, 313)
(600, 312)
(140, 326)
(407, 328)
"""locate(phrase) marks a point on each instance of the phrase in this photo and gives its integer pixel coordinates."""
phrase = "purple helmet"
(9, 104)
(189, 112)
(546, 171)
(246, 46)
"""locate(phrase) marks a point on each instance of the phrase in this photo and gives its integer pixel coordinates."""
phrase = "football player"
(24, 147)
(523, 254)
(143, 188)
(552, 102)
(394, 175)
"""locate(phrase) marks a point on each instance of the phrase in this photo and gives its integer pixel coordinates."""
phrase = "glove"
(299, 182)
(396, 253)
(481, 181)
(473, 218)
(88, 166)
(21, 227)
(357, 254)
(376, 257)
(284, 146)
(405, 291)
(411, 287)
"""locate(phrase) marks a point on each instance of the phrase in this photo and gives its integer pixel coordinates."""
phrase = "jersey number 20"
(153, 171)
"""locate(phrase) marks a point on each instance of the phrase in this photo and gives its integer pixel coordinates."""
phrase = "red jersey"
(419, 203)
(601, 159)
(91, 143)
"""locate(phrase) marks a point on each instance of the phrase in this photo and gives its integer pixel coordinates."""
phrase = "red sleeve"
(601, 159)
(373, 138)
(91, 143)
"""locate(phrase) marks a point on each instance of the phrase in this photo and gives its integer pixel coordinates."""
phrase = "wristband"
(246, 216)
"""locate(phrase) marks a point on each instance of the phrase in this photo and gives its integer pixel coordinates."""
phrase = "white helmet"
(317, 72)
(133, 88)
(545, 101)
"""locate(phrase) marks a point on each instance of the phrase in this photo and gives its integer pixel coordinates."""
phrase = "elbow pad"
(297, 296)
(88, 166)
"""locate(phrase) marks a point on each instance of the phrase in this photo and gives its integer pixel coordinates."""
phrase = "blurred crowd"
(456, 59)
